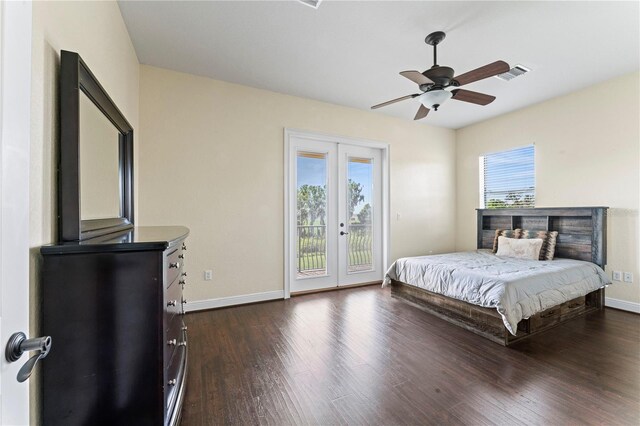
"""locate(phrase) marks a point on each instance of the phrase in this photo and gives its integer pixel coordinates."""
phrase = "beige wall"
(212, 159)
(97, 32)
(587, 154)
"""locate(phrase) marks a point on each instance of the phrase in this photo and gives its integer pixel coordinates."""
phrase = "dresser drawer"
(175, 373)
(173, 337)
(173, 299)
(174, 266)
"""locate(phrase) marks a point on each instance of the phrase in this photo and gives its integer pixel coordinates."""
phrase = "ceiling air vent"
(313, 3)
(514, 72)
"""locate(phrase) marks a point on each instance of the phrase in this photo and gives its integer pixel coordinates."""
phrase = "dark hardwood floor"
(357, 356)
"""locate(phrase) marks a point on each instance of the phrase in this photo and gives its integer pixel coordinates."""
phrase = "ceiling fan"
(436, 79)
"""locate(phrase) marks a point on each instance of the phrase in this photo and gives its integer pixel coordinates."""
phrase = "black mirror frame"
(75, 77)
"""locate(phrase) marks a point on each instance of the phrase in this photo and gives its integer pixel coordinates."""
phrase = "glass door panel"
(359, 189)
(311, 214)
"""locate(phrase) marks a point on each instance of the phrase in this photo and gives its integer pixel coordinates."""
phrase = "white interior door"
(335, 219)
(15, 107)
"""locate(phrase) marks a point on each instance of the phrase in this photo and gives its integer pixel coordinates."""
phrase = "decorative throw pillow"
(520, 248)
(509, 233)
(549, 239)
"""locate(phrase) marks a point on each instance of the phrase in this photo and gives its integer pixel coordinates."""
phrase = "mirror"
(95, 173)
(100, 194)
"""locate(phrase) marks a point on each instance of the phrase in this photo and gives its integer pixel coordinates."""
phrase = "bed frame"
(582, 235)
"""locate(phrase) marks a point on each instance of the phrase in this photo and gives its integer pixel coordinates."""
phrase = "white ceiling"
(350, 53)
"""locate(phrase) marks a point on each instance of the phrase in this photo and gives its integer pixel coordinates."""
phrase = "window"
(507, 178)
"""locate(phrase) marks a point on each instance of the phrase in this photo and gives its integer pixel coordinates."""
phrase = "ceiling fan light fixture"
(434, 98)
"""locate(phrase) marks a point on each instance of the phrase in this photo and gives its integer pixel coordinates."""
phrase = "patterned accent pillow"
(519, 248)
(509, 233)
(549, 239)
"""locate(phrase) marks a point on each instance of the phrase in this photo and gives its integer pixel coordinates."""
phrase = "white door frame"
(302, 134)
(15, 134)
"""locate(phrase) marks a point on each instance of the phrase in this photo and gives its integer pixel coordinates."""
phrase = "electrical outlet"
(628, 277)
(617, 276)
(208, 275)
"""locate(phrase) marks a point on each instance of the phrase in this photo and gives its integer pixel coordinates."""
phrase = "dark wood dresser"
(113, 306)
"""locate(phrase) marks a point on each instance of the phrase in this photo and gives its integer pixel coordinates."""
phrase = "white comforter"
(517, 288)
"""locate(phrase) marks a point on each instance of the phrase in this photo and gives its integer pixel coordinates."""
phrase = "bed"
(506, 299)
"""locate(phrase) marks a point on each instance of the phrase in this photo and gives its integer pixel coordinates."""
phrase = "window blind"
(508, 178)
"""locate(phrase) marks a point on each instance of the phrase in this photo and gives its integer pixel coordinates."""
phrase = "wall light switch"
(208, 275)
(617, 276)
(628, 277)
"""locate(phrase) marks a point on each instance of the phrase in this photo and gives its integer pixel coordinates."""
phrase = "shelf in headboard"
(582, 231)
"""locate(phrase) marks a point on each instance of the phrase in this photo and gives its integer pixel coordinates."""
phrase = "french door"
(335, 214)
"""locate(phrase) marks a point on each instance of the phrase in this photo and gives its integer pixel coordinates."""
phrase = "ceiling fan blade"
(472, 97)
(417, 77)
(422, 112)
(393, 101)
(490, 70)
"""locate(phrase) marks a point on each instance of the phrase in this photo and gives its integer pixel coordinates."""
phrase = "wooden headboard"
(582, 231)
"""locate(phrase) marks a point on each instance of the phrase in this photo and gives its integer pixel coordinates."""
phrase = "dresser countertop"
(135, 239)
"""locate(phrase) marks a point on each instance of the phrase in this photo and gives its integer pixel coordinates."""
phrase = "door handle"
(19, 344)
(343, 233)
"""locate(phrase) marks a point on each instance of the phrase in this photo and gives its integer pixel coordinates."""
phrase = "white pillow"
(528, 248)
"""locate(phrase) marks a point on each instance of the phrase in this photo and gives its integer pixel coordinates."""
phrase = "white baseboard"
(200, 305)
(622, 304)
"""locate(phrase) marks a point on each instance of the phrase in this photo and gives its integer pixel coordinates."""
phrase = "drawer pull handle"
(172, 382)
(181, 256)
(548, 314)
(184, 274)
(172, 303)
(184, 301)
(174, 265)
(172, 342)
(184, 328)
(182, 282)
(182, 344)
(184, 246)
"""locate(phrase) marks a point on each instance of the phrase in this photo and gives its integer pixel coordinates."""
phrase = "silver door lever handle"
(19, 344)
